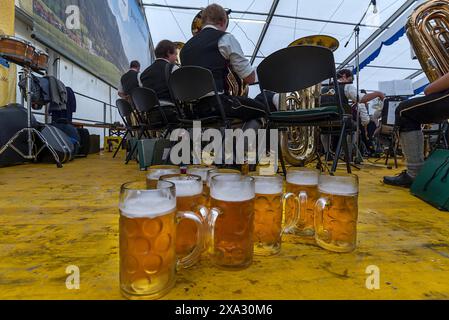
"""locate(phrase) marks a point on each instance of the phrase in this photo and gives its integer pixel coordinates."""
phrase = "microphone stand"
(356, 34)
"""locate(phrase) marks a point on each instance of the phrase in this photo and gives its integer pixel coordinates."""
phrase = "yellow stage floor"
(53, 218)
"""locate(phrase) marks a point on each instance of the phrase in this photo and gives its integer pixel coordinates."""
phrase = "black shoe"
(401, 180)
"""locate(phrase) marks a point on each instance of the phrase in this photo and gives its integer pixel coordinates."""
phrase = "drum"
(17, 50)
(40, 61)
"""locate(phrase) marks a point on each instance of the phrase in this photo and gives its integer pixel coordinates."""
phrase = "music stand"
(356, 34)
(32, 133)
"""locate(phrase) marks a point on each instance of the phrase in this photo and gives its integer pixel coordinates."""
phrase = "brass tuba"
(299, 143)
(428, 32)
(179, 46)
(235, 86)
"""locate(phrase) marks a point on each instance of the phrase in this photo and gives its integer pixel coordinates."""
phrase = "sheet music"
(387, 87)
(397, 87)
(392, 106)
(403, 87)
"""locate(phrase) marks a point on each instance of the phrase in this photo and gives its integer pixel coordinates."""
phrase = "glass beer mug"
(148, 220)
(155, 172)
(231, 221)
(270, 204)
(216, 172)
(303, 182)
(336, 213)
(203, 172)
(189, 193)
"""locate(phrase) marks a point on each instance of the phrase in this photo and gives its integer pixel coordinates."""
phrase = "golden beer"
(303, 182)
(147, 233)
(189, 190)
(232, 221)
(269, 203)
(155, 172)
(213, 173)
(337, 213)
(203, 172)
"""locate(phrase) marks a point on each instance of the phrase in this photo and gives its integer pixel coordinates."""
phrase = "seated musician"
(129, 81)
(215, 49)
(345, 80)
(155, 76)
(410, 115)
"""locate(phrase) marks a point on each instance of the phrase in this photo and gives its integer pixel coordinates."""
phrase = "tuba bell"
(428, 32)
(179, 46)
(299, 144)
(234, 85)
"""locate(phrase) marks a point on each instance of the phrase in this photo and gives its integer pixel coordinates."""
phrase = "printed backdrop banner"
(102, 36)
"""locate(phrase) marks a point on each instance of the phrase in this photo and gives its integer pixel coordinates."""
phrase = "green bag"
(432, 183)
(152, 152)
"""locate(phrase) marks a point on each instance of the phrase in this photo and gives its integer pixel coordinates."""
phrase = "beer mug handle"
(214, 213)
(196, 253)
(296, 214)
(320, 232)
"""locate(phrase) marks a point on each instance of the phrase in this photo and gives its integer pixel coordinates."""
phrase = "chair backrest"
(145, 99)
(296, 68)
(148, 107)
(191, 83)
(125, 110)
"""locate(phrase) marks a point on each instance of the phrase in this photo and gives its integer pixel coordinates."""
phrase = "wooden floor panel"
(52, 218)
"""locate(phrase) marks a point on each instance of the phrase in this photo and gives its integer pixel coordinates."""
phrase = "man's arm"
(231, 50)
(440, 85)
(371, 96)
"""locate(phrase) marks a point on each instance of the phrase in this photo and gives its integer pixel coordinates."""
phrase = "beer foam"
(303, 179)
(146, 206)
(155, 175)
(187, 188)
(202, 172)
(231, 194)
(268, 187)
(338, 188)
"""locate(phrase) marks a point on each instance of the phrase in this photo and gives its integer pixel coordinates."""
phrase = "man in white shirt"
(215, 49)
(345, 80)
(129, 81)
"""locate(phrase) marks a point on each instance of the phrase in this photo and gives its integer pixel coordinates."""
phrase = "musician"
(129, 81)
(410, 115)
(155, 76)
(215, 49)
(345, 80)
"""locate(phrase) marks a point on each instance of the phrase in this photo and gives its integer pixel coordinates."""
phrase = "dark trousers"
(411, 114)
(241, 108)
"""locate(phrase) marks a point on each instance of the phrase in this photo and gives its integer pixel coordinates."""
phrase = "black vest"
(129, 81)
(327, 100)
(202, 50)
(154, 77)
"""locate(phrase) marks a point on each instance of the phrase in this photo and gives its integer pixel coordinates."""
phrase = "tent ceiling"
(171, 19)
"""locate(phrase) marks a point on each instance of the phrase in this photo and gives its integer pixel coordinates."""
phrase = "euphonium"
(299, 143)
(428, 32)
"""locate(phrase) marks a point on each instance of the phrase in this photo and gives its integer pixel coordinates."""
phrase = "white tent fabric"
(171, 19)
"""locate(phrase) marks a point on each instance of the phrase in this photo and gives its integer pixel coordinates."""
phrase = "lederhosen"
(413, 113)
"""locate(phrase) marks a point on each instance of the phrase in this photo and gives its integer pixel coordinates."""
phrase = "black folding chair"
(126, 113)
(300, 67)
(190, 84)
(150, 115)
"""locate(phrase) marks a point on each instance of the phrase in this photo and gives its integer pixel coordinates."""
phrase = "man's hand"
(251, 78)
